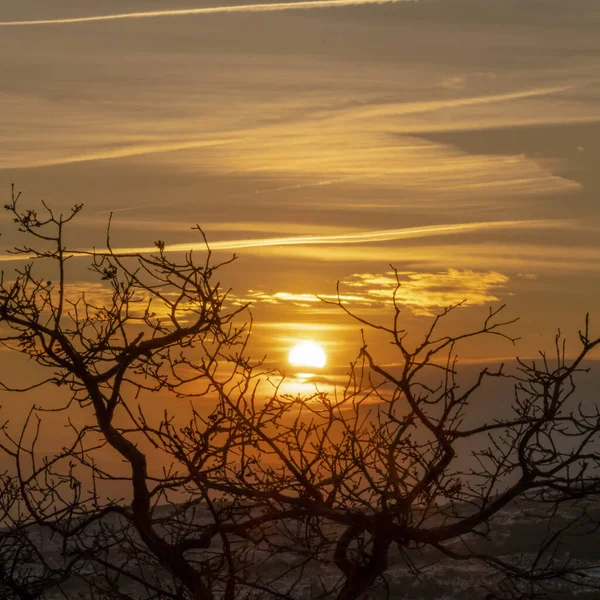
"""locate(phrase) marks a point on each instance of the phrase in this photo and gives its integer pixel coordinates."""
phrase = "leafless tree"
(262, 494)
(106, 352)
(372, 475)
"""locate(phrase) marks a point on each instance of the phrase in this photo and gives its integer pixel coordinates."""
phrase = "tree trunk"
(364, 576)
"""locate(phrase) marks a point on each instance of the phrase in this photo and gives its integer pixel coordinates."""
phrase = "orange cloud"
(422, 293)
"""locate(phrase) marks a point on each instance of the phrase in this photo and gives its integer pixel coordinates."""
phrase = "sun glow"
(307, 354)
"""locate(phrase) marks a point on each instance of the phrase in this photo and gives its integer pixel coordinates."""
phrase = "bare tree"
(106, 352)
(262, 494)
(372, 475)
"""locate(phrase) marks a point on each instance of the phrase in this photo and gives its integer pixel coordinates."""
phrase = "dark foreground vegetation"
(396, 485)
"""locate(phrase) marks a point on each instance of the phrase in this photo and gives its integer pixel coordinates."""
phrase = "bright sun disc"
(307, 354)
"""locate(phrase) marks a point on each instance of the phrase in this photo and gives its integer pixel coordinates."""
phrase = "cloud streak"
(363, 237)
(240, 8)
(126, 151)
(511, 257)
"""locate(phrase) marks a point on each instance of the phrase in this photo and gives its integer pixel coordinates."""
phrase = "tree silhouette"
(261, 494)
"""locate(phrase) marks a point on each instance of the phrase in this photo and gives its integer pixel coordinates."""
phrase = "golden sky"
(457, 140)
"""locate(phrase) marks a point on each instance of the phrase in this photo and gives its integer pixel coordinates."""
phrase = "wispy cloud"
(125, 151)
(362, 237)
(304, 328)
(426, 106)
(263, 7)
(422, 293)
(503, 256)
(353, 237)
(254, 227)
(358, 147)
(343, 137)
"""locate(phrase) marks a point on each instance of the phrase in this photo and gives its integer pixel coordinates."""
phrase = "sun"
(307, 354)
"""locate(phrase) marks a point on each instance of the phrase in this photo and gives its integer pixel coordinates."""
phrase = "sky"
(456, 141)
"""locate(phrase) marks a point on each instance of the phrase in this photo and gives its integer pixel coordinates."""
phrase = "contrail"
(357, 238)
(309, 240)
(277, 6)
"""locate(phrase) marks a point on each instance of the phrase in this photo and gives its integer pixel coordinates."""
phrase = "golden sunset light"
(307, 354)
(299, 299)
